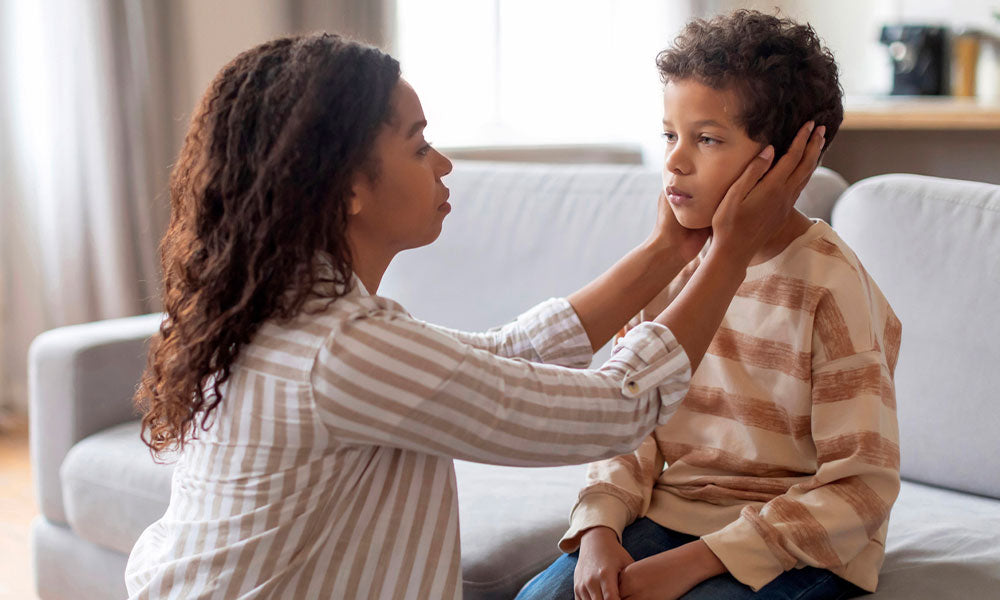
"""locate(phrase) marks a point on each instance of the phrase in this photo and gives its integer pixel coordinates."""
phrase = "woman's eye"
(425, 149)
(669, 136)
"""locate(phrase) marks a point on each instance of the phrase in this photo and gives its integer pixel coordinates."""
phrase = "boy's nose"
(676, 161)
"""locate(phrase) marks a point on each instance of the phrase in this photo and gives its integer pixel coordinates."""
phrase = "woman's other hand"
(669, 233)
(754, 208)
(602, 559)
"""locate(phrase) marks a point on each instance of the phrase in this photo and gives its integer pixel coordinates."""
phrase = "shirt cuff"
(556, 334)
(591, 511)
(654, 359)
(745, 554)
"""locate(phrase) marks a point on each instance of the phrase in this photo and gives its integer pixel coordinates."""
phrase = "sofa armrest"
(81, 380)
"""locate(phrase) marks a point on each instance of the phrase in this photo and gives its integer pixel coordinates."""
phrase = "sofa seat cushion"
(112, 489)
(941, 544)
(511, 519)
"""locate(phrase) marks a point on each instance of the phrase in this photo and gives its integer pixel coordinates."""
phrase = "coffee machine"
(919, 59)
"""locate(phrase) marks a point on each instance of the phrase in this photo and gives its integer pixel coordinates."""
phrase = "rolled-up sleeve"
(550, 332)
(382, 377)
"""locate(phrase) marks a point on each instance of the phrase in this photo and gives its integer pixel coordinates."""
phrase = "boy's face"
(706, 149)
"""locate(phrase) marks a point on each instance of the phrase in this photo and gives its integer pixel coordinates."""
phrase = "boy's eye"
(708, 141)
(669, 136)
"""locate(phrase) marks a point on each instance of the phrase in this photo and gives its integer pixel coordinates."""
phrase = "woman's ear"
(361, 191)
(353, 204)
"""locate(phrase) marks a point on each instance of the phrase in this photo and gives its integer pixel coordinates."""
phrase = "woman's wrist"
(727, 261)
(663, 255)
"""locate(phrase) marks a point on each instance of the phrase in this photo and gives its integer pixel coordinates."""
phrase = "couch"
(520, 234)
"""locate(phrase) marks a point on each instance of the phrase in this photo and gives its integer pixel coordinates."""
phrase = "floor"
(17, 509)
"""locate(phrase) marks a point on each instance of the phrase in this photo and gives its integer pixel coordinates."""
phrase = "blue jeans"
(644, 538)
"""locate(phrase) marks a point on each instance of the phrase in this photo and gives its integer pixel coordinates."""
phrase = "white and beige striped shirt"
(327, 470)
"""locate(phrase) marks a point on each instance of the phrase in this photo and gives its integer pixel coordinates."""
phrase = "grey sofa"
(522, 233)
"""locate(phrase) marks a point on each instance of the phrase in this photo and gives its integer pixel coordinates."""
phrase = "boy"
(775, 476)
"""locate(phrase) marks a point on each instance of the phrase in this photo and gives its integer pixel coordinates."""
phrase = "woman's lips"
(677, 197)
(444, 206)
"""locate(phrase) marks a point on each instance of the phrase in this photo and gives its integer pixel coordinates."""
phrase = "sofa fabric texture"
(520, 234)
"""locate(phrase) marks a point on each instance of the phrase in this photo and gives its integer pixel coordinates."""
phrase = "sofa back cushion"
(933, 247)
(521, 233)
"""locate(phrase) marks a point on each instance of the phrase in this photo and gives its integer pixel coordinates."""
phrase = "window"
(502, 72)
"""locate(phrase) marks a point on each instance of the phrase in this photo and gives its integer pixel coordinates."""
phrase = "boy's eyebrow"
(703, 123)
(415, 128)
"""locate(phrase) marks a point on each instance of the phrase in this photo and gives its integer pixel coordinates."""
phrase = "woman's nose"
(444, 166)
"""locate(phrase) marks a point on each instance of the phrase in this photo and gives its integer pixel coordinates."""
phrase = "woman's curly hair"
(260, 191)
(781, 71)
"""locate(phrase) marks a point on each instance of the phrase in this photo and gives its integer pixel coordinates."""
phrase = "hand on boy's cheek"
(663, 576)
(687, 242)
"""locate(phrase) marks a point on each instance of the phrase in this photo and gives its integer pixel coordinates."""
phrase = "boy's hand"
(754, 208)
(601, 561)
(683, 242)
(671, 574)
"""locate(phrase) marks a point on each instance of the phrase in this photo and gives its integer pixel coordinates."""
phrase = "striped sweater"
(785, 451)
(327, 469)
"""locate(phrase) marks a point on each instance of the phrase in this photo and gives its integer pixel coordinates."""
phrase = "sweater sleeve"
(832, 517)
(617, 492)
(384, 378)
(550, 332)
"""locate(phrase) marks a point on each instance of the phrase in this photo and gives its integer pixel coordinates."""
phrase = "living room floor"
(17, 509)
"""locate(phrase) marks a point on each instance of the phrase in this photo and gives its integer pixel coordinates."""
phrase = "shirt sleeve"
(384, 378)
(550, 332)
(832, 517)
(617, 492)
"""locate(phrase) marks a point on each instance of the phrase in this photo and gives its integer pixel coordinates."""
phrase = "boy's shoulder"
(851, 312)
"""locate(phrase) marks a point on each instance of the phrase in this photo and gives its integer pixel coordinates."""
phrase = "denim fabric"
(644, 538)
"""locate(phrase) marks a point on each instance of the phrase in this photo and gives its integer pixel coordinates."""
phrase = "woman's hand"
(601, 560)
(669, 233)
(754, 208)
(671, 574)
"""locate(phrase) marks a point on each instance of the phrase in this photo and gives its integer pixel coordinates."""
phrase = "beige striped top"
(327, 471)
(785, 451)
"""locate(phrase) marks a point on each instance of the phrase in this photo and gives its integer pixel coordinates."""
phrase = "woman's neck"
(370, 261)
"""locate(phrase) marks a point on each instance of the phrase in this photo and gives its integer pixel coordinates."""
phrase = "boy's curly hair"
(782, 72)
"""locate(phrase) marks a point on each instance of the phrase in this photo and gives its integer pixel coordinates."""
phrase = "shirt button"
(632, 387)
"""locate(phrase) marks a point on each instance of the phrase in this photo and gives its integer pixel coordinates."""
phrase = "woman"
(317, 422)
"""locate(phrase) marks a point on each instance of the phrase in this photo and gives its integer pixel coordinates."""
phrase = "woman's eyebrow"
(415, 128)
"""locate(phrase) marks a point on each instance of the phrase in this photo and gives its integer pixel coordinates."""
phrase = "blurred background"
(96, 96)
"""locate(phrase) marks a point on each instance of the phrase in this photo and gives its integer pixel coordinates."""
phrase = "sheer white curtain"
(87, 149)
(94, 101)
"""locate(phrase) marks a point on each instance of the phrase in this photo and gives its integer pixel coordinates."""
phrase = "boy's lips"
(677, 196)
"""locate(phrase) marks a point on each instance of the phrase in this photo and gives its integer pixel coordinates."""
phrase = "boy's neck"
(795, 225)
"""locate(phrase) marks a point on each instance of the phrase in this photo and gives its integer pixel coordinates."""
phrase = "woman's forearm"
(605, 304)
(694, 316)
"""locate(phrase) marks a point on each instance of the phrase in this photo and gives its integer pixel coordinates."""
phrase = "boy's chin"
(689, 221)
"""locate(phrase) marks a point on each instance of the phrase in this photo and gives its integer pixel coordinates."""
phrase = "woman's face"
(407, 203)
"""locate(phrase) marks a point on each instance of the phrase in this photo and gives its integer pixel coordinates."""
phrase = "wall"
(851, 28)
